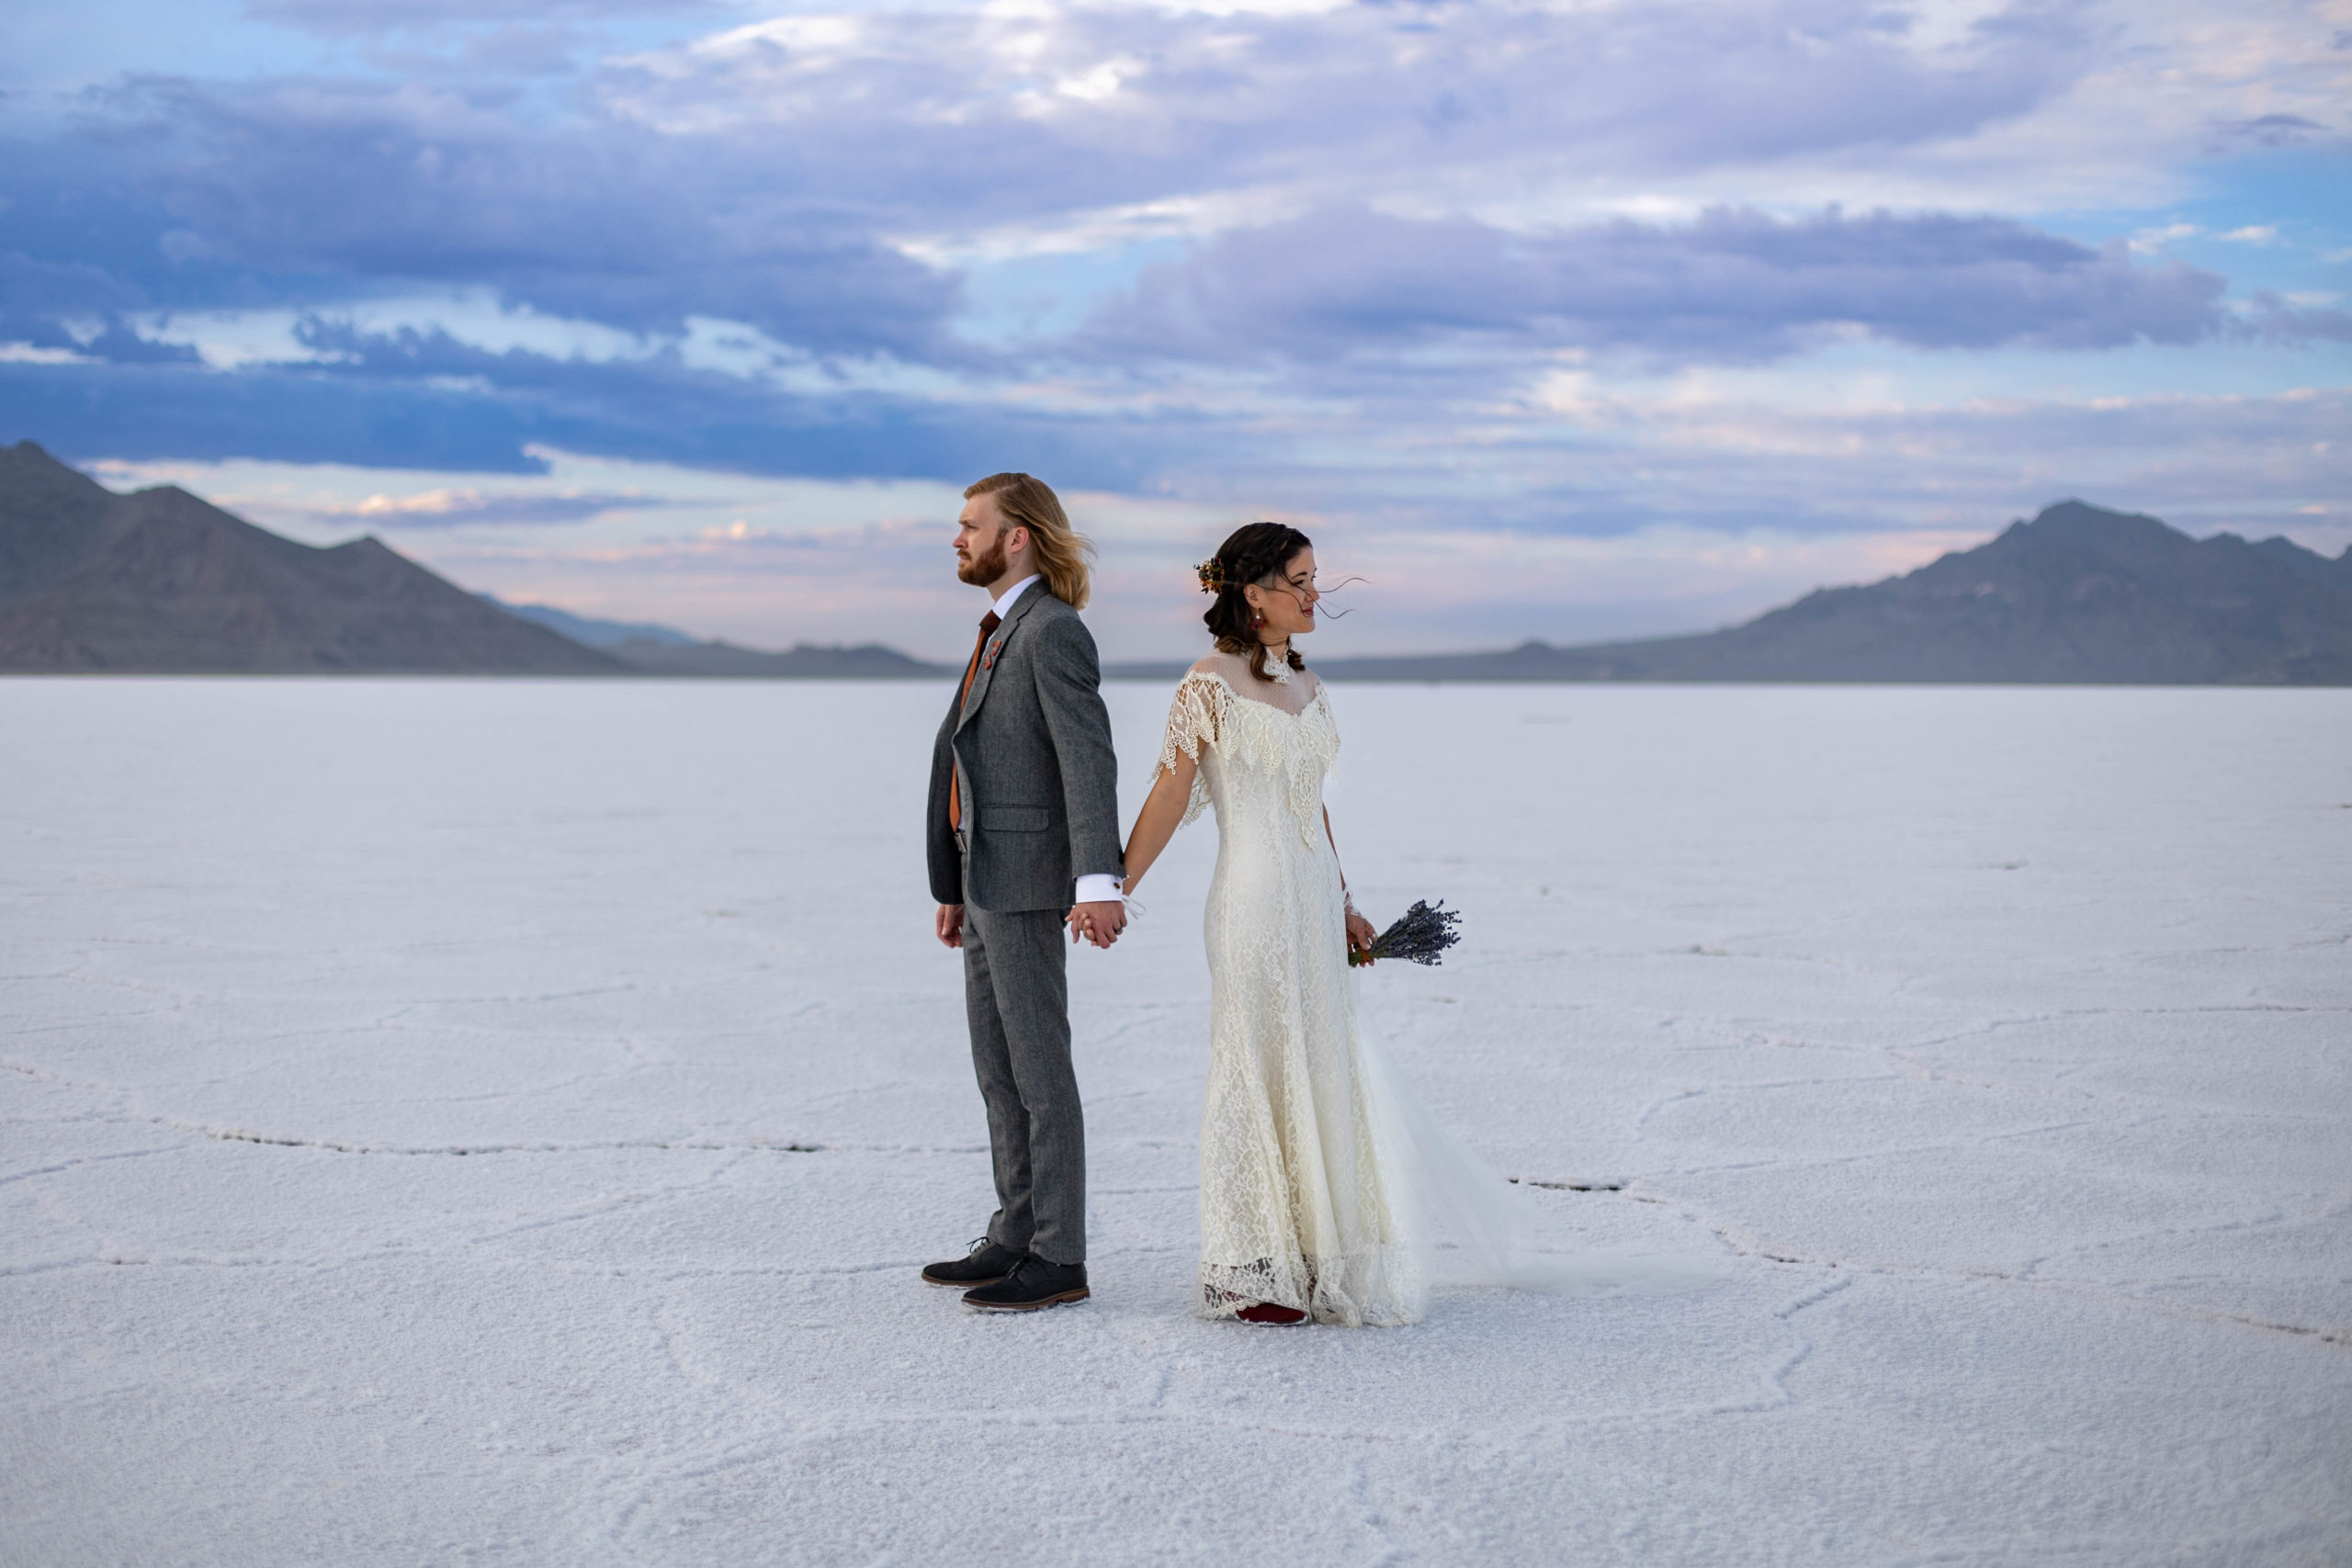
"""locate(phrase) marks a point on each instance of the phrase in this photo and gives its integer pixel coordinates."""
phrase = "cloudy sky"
(1569, 318)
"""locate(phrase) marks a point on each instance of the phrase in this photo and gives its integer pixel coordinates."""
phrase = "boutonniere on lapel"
(987, 654)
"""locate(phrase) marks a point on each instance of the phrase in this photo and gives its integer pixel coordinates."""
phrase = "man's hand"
(949, 924)
(1098, 923)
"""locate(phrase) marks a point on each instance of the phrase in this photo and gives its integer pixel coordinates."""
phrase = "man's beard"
(981, 569)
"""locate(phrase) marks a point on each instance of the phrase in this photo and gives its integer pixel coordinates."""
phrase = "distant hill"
(2079, 594)
(807, 661)
(588, 631)
(158, 581)
(656, 650)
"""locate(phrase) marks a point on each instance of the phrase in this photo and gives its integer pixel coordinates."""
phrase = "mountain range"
(160, 581)
(587, 630)
(664, 650)
(2079, 594)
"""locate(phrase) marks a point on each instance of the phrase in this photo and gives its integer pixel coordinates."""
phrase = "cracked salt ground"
(499, 1122)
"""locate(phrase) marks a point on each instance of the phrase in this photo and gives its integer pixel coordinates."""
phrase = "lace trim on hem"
(1376, 1287)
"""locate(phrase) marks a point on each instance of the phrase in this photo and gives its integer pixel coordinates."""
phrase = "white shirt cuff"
(1098, 889)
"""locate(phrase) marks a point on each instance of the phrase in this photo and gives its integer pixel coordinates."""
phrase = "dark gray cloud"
(2276, 131)
(412, 400)
(344, 18)
(74, 307)
(1732, 285)
(86, 245)
(379, 186)
(2272, 317)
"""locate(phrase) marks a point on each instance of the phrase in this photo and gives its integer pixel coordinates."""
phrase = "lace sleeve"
(1197, 719)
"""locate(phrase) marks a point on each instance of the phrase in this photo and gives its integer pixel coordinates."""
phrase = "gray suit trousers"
(1016, 988)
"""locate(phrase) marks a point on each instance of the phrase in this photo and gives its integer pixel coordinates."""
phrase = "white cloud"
(2149, 241)
(229, 340)
(30, 354)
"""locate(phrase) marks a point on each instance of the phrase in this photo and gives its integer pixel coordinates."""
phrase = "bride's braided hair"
(1255, 552)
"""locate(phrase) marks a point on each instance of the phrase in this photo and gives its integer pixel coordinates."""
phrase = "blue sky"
(1571, 320)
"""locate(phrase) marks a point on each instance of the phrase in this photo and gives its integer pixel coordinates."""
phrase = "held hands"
(1099, 923)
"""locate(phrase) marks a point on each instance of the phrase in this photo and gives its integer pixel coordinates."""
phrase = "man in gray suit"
(1023, 839)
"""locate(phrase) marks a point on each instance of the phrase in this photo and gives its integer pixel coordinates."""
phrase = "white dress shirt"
(1004, 606)
(1098, 887)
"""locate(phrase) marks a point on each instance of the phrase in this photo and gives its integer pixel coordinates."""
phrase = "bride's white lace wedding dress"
(1300, 1203)
(1326, 1186)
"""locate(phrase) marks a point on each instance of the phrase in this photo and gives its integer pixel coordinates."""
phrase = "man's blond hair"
(1060, 551)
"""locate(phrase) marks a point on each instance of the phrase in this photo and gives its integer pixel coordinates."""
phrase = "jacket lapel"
(992, 652)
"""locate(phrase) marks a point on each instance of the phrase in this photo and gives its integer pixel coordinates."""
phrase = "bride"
(1301, 1211)
(1328, 1190)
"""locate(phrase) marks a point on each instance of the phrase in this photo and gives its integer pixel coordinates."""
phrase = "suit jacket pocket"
(1012, 819)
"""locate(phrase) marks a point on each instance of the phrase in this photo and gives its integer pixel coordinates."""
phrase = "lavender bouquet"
(1417, 938)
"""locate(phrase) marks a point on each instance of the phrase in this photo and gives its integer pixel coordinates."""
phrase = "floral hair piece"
(1212, 575)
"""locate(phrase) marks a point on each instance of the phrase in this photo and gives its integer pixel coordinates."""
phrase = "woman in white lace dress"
(1300, 1217)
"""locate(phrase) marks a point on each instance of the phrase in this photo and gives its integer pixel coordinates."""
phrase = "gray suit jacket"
(1040, 786)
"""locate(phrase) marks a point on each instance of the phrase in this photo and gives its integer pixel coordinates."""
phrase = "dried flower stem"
(1417, 937)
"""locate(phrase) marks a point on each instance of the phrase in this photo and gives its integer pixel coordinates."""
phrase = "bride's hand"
(1360, 933)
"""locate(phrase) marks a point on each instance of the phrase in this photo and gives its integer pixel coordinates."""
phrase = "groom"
(1023, 839)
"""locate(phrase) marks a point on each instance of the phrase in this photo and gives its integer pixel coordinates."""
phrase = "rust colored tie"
(989, 622)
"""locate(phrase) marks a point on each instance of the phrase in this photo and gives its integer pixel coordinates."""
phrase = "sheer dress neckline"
(1212, 669)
